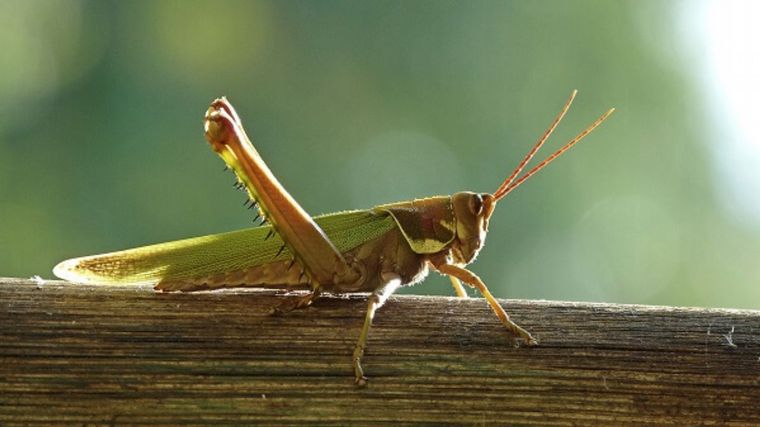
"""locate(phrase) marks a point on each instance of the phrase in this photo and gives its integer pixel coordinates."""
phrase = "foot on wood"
(291, 304)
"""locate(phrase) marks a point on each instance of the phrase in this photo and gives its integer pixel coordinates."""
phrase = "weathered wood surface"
(93, 355)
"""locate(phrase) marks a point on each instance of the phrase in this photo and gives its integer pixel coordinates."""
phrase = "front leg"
(458, 288)
(473, 280)
(375, 300)
(305, 239)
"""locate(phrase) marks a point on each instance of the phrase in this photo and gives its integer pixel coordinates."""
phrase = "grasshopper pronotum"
(375, 250)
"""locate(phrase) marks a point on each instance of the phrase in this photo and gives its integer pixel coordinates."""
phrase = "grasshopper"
(376, 250)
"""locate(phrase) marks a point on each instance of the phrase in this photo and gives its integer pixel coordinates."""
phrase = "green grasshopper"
(376, 250)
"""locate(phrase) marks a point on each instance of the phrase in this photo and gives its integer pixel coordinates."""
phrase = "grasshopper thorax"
(472, 211)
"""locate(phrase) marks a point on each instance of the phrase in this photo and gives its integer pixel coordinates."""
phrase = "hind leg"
(295, 303)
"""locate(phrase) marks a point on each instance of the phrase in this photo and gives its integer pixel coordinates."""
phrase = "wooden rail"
(81, 355)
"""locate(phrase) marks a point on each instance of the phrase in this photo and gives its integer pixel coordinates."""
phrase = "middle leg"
(376, 299)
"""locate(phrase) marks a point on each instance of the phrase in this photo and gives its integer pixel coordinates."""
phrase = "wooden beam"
(82, 355)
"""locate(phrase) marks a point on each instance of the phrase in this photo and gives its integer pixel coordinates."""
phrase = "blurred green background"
(355, 104)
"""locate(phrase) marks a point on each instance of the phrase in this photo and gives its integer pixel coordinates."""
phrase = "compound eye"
(476, 204)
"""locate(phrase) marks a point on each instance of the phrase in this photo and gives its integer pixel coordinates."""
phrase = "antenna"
(507, 182)
(510, 184)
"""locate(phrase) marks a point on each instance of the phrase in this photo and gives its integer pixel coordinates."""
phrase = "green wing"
(216, 253)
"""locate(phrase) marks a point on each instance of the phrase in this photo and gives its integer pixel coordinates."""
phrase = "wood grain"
(80, 355)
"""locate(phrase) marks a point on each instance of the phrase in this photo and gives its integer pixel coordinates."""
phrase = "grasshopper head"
(472, 211)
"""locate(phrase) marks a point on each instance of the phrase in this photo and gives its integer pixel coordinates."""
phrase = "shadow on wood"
(83, 354)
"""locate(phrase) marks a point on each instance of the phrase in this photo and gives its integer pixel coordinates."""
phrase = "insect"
(375, 250)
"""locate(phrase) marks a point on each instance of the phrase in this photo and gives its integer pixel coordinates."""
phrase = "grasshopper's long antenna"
(507, 182)
(508, 189)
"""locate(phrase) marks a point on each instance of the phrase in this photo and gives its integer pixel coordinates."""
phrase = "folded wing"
(214, 254)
